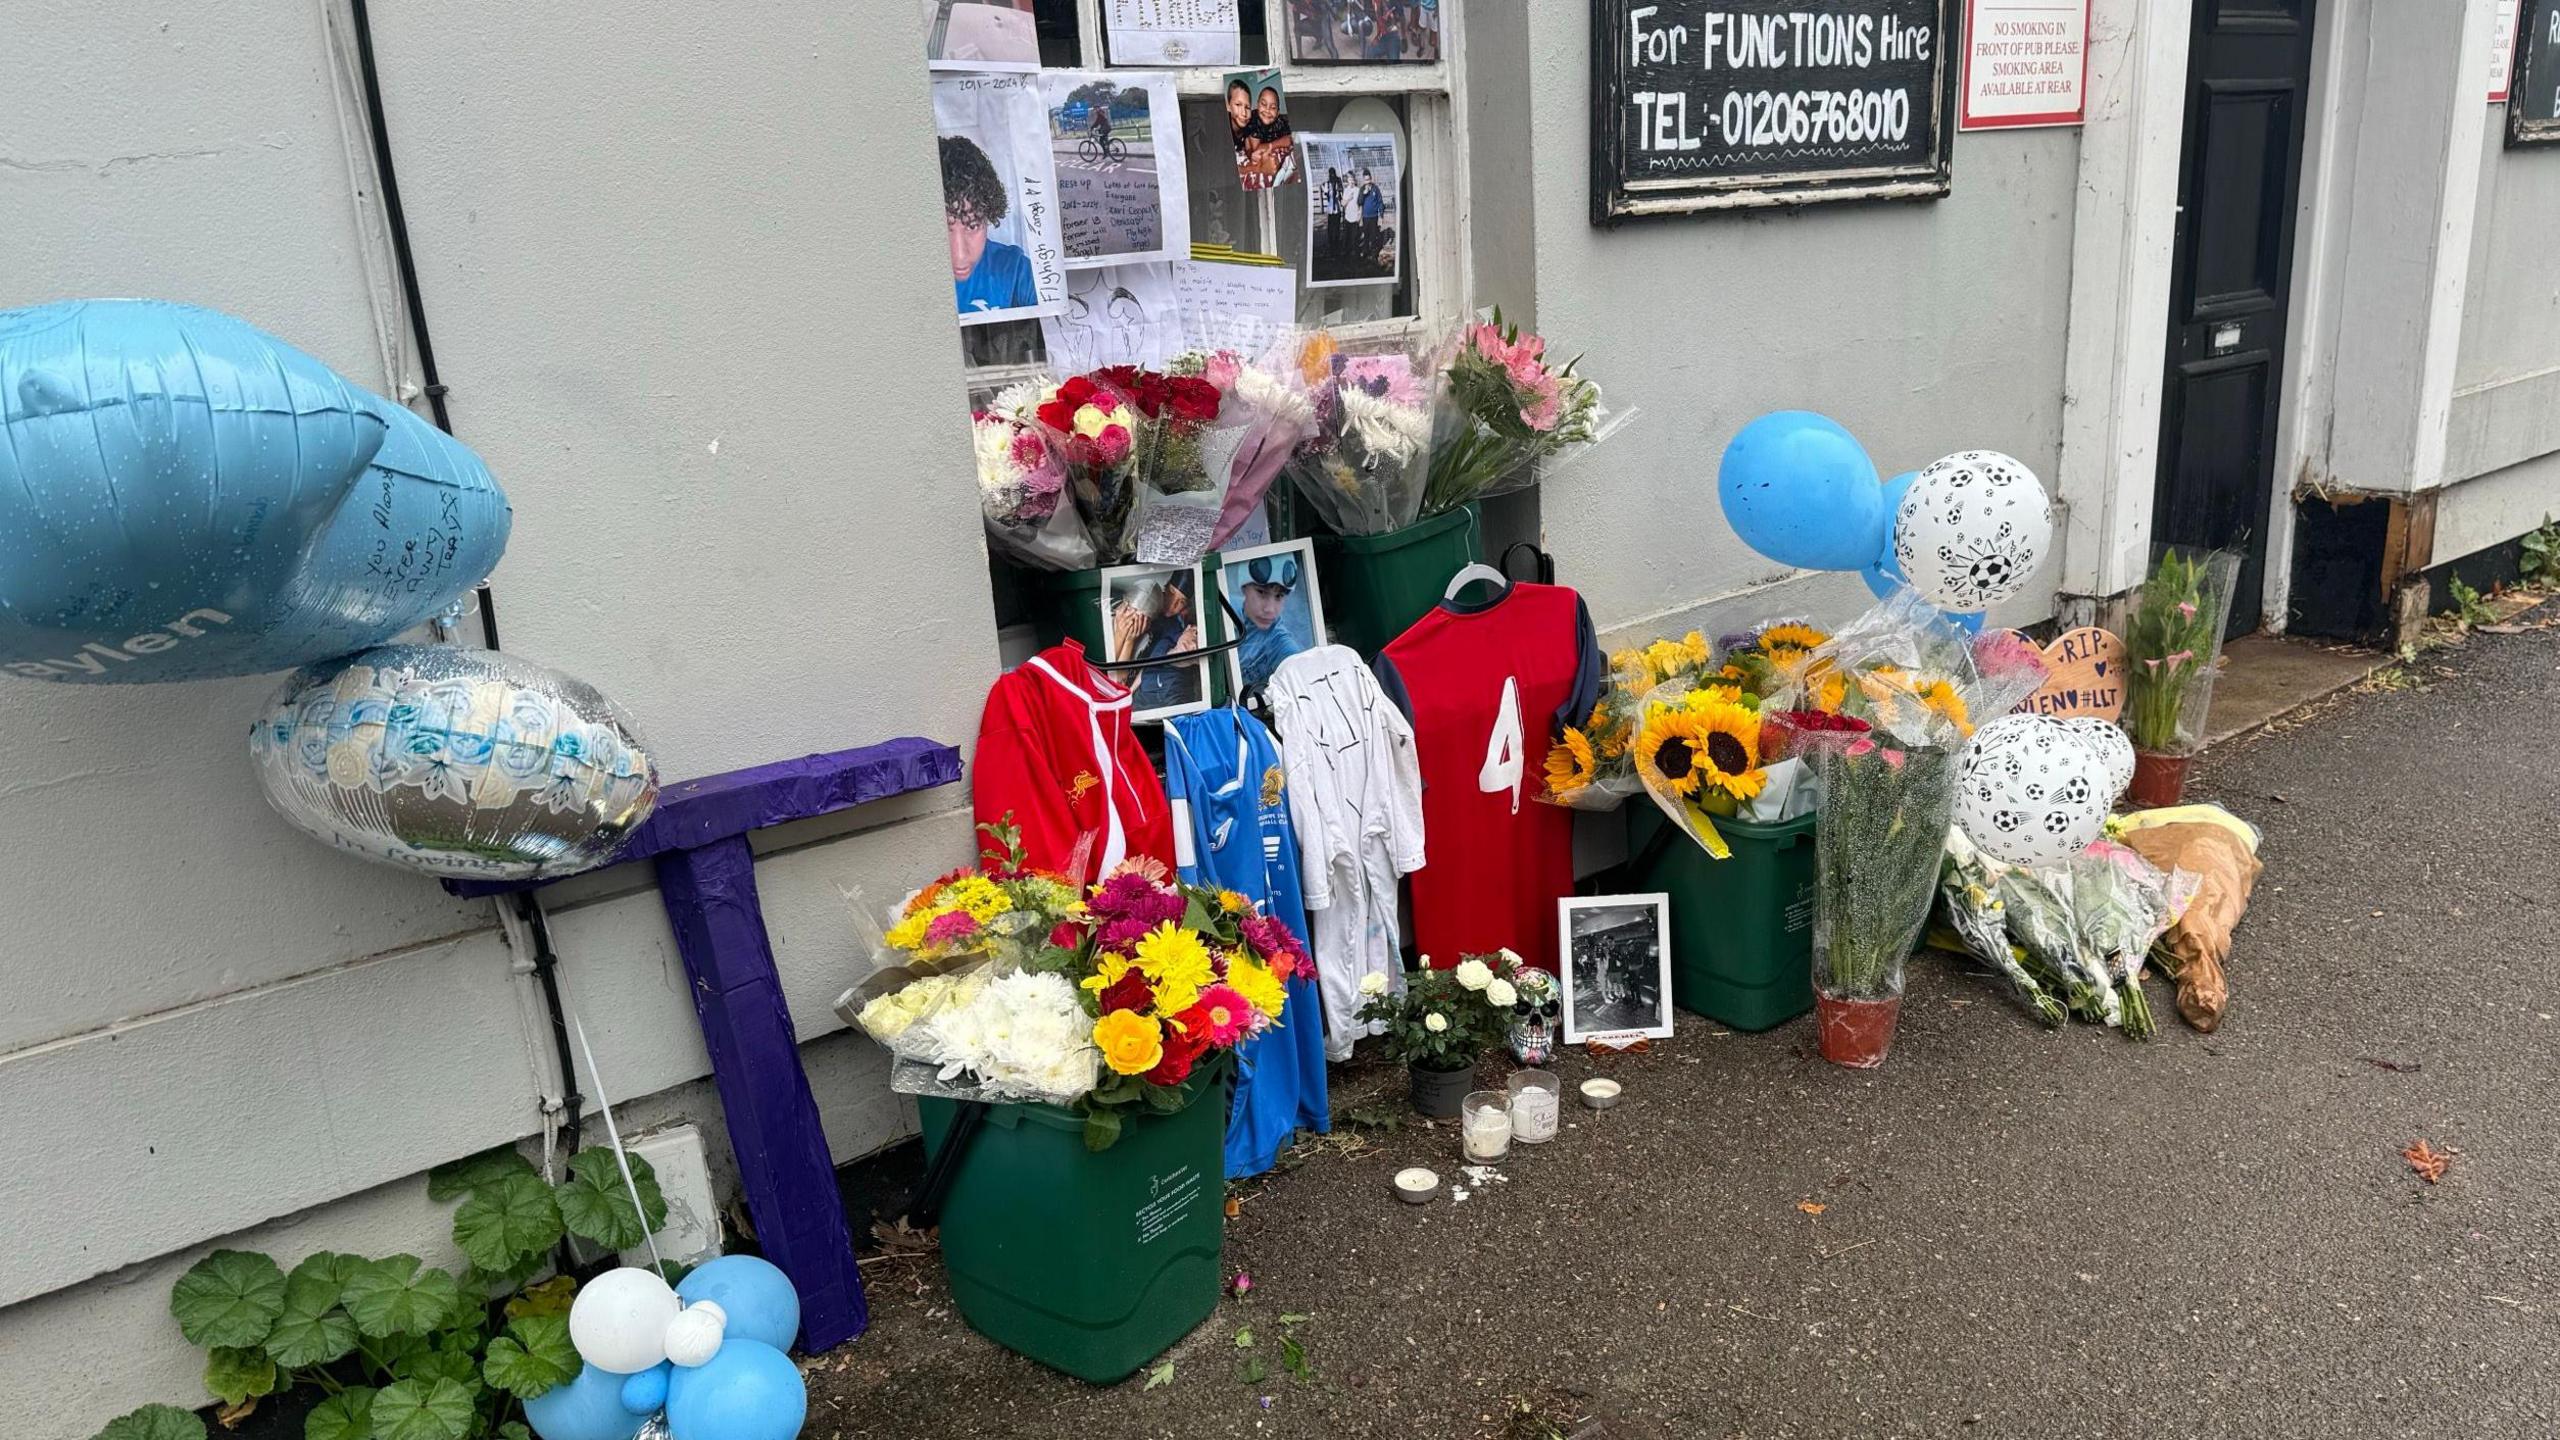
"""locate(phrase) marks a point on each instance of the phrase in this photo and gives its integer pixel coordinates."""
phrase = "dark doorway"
(2248, 87)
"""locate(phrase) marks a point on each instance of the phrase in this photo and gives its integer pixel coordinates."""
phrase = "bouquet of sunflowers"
(1006, 985)
(1704, 747)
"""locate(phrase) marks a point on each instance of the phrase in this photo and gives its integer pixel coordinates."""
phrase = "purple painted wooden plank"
(783, 1160)
(698, 812)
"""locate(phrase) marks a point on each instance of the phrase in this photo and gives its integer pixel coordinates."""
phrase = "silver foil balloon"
(470, 764)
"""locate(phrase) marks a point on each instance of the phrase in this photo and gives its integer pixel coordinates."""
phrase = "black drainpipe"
(546, 961)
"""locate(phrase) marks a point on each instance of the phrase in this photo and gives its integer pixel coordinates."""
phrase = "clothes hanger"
(1473, 573)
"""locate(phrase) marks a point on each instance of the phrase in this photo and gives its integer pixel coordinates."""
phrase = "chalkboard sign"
(2533, 89)
(1720, 104)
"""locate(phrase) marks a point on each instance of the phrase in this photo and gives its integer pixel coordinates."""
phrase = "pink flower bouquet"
(1509, 407)
(1022, 488)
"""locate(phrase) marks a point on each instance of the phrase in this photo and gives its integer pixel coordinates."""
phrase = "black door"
(2248, 81)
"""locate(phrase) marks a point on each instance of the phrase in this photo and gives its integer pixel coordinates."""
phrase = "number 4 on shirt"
(1504, 762)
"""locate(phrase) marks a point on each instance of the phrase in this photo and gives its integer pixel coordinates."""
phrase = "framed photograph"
(1258, 125)
(1617, 967)
(997, 35)
(1151, 612)
(1355, 209)
(1124, 193)
(1364, 32)
(999, 198)
(1274, 588)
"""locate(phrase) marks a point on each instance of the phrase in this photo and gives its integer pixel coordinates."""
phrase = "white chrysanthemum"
(1018, 400)
(1038, 1041)
(1474, 974)
(1435, 1022)
(1374, 983)
(1270, 395)
(1388, 431)
(1501, 993)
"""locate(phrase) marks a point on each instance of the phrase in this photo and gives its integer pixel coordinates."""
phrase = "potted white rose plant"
(1443, 1022)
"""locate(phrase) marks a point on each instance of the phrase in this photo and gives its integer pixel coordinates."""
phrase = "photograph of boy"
(986, 273)
(1258, 123)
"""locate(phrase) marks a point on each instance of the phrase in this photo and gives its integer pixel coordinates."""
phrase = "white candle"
(1488, 1134)
(1533, 1114)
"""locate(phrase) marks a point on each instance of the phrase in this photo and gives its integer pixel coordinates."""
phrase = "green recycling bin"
(1376, 586)
(1093, 1263)
(1741, 928)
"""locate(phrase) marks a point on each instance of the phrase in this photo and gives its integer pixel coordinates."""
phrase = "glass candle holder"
(1536, 1096)
(1484, 1120)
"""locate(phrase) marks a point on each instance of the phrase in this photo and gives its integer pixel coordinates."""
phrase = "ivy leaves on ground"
(230, 1297)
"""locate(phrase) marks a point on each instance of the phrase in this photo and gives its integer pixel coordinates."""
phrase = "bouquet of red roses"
(1183, 454)
(1094, 427)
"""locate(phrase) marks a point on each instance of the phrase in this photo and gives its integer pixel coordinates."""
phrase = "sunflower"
(1727, 758)
(1570, 764)
(1940, 696)
(1788, 640)
(1610, 733)
(1669, 746)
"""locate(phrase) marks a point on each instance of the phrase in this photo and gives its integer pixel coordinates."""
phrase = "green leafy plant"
(2468, 608)
(1445, 1019)
(2171, 645)
(2539, 561)
(404, 1350)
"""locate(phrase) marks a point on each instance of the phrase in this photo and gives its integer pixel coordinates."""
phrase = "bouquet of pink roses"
(1022, 487)
(1508, 408)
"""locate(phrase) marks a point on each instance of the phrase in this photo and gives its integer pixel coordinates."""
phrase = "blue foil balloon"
(748, 1391)
(1799, 489)
(587, 1408)
(183, 496)
(757, 1297)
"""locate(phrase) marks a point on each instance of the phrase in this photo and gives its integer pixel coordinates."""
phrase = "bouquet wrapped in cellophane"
(1969, 896)
(2173, 648)
(1004, 984)
(1365, 465)
(1591, 766)
(1507, 409)
(1267, 394)
(1093, 427)
(1183, 442)
(2123, 904)
(1022, 486)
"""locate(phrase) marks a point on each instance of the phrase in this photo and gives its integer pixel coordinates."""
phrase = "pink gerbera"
(951, 928)
(1223, 1015)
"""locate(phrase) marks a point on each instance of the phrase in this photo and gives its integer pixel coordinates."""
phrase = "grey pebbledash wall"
(1925, 328)
(682, 283)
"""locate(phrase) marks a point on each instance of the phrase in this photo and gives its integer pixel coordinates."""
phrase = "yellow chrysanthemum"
(1177, 966)
(1669, 747)
(1254, 981)
(1571, 762)
(908, 933)
(1131, 1043)
(1234, 903)
(1720, 692)
(1108, 967)
(978, 895)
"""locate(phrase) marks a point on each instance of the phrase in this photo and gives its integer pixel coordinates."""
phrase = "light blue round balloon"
(757, 1297)
(1799, 489)
(587, 1408)
(645, 1392)
(748, 1391)
(184, 496)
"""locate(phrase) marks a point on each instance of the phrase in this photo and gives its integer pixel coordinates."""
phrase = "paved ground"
(2020, 1233)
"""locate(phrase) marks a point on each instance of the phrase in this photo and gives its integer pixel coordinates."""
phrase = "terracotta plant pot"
(1439, 1093)
(2157, 779)
(1855, 1032)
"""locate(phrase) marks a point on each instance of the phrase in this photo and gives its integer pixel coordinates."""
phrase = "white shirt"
(1355, 798)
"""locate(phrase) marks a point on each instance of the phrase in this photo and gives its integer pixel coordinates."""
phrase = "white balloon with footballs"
(705, 1358)
(2031, 791)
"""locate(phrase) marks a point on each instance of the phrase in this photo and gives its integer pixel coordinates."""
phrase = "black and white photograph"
(1355, 209)
(1123, 191)
(1152, 612)
(980, 35)
(1364, 32)
(999, 198)
(1617, 967)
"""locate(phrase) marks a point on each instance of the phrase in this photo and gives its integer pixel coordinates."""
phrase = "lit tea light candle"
(1599, 1093)
(1416, 1184)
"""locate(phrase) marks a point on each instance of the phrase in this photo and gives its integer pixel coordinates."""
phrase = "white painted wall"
(1923, 328)
(2503, 450)
(669, 268)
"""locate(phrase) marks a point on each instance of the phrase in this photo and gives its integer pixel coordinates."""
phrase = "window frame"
(1436, 164)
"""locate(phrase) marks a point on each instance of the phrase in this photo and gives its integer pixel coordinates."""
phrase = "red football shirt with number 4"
(1487, 686)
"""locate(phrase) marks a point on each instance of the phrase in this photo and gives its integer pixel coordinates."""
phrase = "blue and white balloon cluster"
(1966, 532)
(704, 1358)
